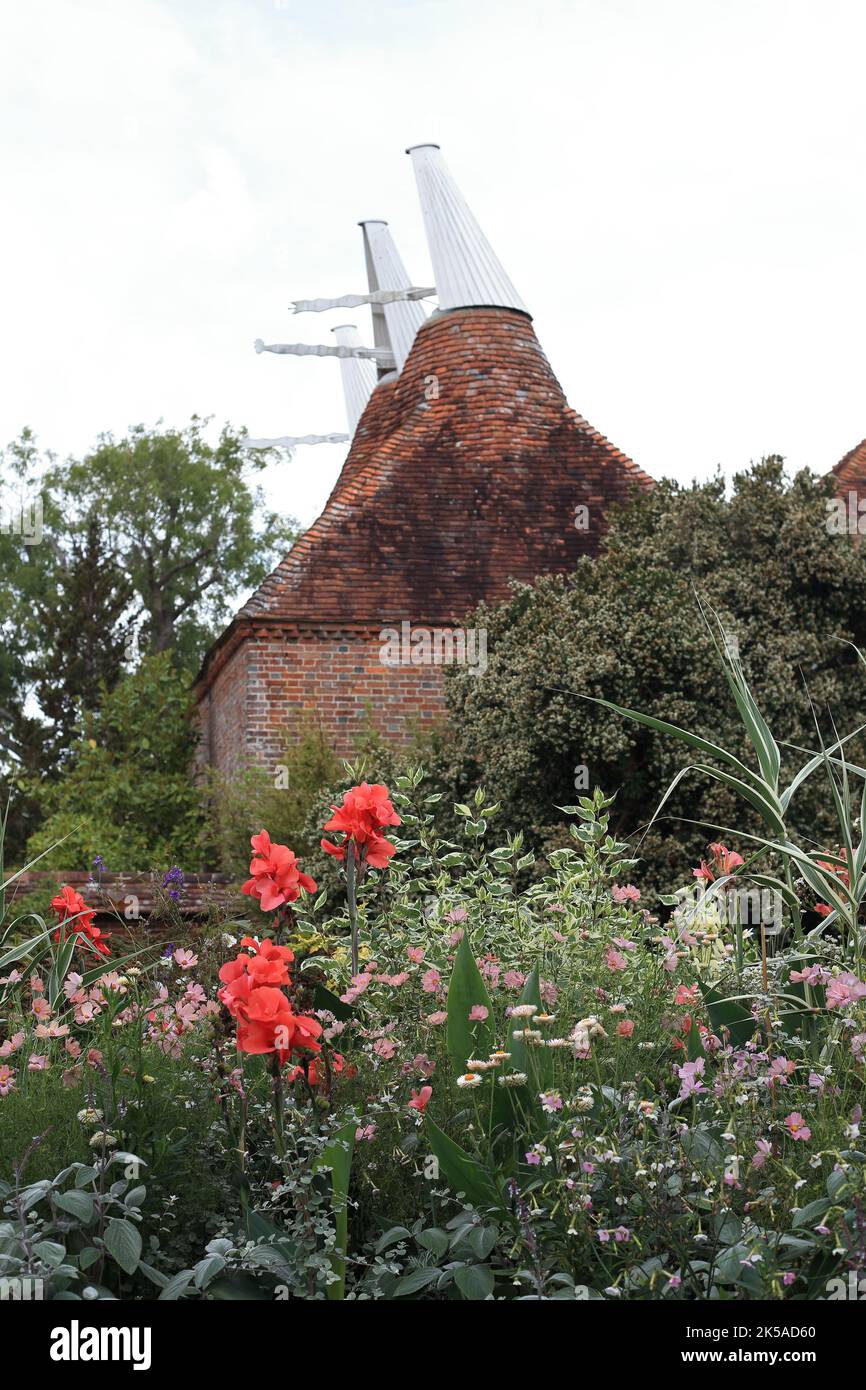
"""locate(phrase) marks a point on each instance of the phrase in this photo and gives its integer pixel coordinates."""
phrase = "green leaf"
(207, 1269)
(725, 1013)
(417, 1280)
(465, 1039)
(812, 1212)
(435, 1241)
(123, 1242)
(324, 998)
(176, 1287)
(338, 1157)
(50, 1251)
(464, 1173)
(475, 1282)
(79, 1204)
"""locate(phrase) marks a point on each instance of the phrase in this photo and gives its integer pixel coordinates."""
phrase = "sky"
(676, 187)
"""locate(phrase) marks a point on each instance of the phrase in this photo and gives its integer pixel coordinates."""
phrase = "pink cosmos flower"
(842, 990)
(357, 987)
(687, 994)
(431, 981)
(780, 1070)
(457, 914)
(12, 1044)
(763, 1150)
(7, 1079)
(365, 1133)
(185, 959)
(416, 954)
(37, 1062)
(812, 975)
(439, 1017)
(615, 961)
(385, 1048)
(40, 1007)
(797, 1126)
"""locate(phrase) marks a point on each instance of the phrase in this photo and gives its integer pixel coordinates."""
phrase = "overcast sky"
(676, 187)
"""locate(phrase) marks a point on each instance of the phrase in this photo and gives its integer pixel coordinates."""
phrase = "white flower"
(516, 1078)
(523, 1011)
(89, 1117)
(103, 1141)
(469, 1079)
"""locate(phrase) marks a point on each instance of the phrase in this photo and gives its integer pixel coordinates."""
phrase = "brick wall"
(278, 680)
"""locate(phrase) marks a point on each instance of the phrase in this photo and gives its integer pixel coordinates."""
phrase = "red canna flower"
(276, 878)
(73, 912)
(266, 1024)
(365, 812)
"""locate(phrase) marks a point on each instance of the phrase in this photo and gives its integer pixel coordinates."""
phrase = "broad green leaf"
(338, 1157)
(464, 1173)
(79, 1204)
(466, 989)
(414, 1282)
(475, 1282)
(123, 1243)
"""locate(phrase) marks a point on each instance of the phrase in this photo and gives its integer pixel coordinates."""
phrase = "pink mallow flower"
(478, 1013)
(431, 981)
(615, 960)
(626, 894)
(842, 990)
(625, 1028)
(690, 1077)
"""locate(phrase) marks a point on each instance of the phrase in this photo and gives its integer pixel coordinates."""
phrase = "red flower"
(72, 911)
(365, 811)
(269, 965)
(276, 878)
(315, 1077)
(266, 1024)
(421, 1099)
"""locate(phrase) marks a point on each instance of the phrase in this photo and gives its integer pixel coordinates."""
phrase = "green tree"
(626, 627)
(84, 627)
(187, 525)
(128, 793)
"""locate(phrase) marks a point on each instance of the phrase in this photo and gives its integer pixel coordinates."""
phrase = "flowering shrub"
(470, 1083)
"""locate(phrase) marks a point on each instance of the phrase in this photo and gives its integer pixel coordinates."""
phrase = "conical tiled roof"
(851, 470)
(465, 471)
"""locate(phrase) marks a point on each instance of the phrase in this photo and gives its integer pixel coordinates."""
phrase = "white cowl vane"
(358, 373)
(466, 269)
(395, 324)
